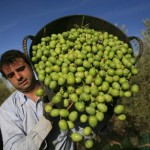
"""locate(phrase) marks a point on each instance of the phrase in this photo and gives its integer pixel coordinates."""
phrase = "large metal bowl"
(67, 22)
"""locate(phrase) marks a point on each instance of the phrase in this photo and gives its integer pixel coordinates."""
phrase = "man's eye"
(21, 68)
(10, 75)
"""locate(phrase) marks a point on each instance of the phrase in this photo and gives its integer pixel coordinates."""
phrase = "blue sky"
(19, 18)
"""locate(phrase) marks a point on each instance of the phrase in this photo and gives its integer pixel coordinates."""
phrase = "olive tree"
(138, 106)
(5, 90)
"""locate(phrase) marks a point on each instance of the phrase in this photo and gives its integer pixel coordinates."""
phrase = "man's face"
(20, 75)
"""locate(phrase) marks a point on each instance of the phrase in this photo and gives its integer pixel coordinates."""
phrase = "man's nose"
(18, 76)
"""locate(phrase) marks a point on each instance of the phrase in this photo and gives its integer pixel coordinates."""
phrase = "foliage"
(138, 106)
(146, 34)
(5, 90)
(117, 137)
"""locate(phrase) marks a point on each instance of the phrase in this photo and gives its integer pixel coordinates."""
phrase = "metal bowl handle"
(48, 94)
(25, 49)
(140, 46)
(24, 44)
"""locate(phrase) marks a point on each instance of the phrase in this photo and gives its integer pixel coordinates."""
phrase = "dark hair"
(10, 56)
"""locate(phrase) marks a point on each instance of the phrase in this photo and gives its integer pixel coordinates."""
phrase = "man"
(22, 122)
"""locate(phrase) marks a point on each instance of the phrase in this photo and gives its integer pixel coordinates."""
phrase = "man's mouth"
(24, 82)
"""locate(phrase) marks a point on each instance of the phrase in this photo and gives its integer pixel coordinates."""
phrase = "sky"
(19, 18)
